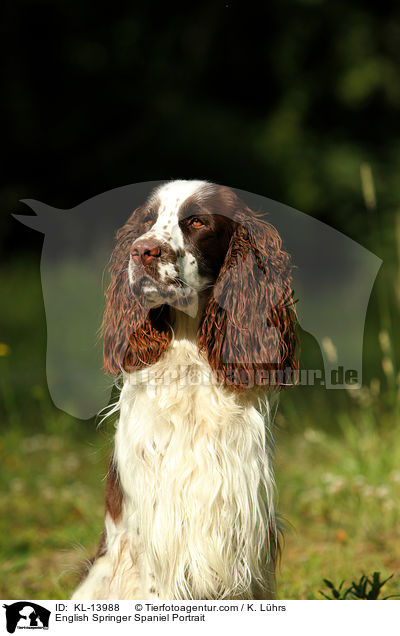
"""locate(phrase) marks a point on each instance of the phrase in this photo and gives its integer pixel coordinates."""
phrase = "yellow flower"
(4, 349)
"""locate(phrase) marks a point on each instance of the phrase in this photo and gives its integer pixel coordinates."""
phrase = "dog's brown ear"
(133, 335)
(248, 328)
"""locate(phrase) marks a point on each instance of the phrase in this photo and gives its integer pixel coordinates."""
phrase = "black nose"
(145, 251)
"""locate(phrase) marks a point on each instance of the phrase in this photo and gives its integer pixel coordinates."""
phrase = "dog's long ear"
(134, 335)
(248, 328)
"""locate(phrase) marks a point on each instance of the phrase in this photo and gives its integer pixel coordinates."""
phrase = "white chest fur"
(196, 478)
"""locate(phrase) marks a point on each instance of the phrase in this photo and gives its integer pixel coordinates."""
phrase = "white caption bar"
(273, 617)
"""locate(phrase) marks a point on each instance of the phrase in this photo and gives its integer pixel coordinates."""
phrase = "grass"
(338, 497)
(366, 589)
(339, 494)
(53, 504)
(337, 460)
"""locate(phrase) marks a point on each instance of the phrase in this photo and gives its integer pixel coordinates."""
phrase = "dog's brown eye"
(195, 222)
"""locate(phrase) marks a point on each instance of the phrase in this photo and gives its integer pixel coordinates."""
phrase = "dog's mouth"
(174, 292)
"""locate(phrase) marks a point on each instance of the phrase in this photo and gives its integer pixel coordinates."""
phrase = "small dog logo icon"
(26, 615)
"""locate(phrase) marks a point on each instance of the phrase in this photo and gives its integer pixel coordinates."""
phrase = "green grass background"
(337, 456)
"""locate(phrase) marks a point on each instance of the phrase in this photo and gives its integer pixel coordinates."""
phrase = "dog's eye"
(195, 222)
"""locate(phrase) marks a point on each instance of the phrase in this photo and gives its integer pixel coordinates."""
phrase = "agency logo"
(26, 615)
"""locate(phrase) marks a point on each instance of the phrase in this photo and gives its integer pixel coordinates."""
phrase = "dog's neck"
(185, 326)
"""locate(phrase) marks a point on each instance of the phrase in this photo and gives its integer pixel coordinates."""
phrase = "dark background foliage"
(285, 99)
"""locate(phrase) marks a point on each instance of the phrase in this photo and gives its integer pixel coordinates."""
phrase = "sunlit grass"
(52, 504)
(339, 495)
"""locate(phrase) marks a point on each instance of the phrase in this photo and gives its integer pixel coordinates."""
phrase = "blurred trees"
(285, 100)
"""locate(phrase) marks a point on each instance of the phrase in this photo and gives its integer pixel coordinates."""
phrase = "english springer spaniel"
(200, 326)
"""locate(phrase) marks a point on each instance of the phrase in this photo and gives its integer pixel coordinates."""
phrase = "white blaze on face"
(169, 199)
(171, 196)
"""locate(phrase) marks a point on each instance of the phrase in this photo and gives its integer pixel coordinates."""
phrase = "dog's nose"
(145, 251)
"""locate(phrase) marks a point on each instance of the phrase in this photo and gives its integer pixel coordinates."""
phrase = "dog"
(199, 328)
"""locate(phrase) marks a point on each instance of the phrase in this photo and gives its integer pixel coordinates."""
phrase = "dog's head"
(192, 241)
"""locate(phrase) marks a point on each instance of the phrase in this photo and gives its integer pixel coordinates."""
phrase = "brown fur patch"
(113, 492)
